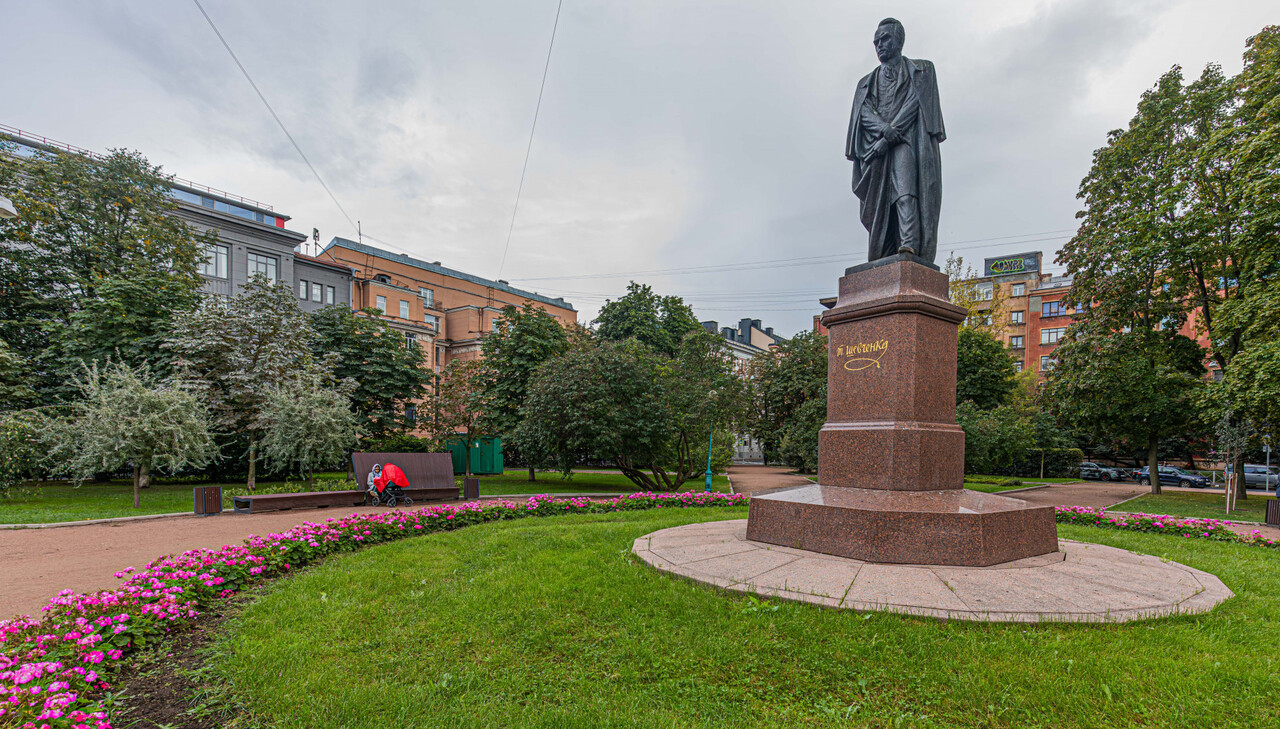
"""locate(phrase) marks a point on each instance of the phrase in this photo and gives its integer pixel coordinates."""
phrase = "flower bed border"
(1217, 530)
(50, 669)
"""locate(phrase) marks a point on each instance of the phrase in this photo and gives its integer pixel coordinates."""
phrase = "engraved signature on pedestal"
(863, 355)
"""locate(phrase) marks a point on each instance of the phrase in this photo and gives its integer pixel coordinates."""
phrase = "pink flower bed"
(51, 669)
(1179, 526)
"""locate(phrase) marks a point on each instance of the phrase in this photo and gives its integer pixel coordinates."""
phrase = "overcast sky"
(672, 134)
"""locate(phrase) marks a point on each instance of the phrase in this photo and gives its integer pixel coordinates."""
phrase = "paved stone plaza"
(1081, 583)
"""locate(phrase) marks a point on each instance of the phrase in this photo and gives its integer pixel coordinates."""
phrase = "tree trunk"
(311, 479)
(253, 465)
(1237, 469)
(141, 480)
(1153, 462)
(533, 476)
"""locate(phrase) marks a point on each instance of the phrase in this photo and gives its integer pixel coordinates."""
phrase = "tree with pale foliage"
(237, 353)
(457, 404)
(309, 424)
(126, 417)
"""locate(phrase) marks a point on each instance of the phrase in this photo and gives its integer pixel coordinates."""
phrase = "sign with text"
(1018, 263)
(862, 355)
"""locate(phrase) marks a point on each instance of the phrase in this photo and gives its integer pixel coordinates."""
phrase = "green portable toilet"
(486, 455)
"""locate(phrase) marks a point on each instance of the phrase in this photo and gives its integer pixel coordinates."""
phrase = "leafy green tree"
(781, 381)
(994, 438)
(389, 376)
(236, 354)
(1138, 385)
(799, 446)
(21, 448)
(658, 322)
(309, 424)
(127, 417)
(649, 414)
(15, 389)
(985, 374)
(85, 226)
(457, 403)
(522, 340)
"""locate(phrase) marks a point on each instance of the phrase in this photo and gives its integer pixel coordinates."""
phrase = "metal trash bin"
(470, 488)
(208, 500)
(1273, 512)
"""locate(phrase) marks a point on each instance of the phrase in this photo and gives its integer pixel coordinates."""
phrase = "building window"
(316, 290)
(1052, 308)
(302, 290)
(404, 309)
(410, 340)
(1046, 363)
(411, 413)
(215, 262)
(1017, 365)
(382, 304)
(265, 265)
(1018, 317)
(1051, 336)
(434, 321)
(439, 356)
(986, 291)
(428, 297)
(330, 295)
(1018, 290)
(1015, 342)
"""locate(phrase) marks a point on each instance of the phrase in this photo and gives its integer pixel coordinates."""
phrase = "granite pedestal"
(891, 456)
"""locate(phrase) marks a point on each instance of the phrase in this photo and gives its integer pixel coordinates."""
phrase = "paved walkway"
(1081, 583)
(752, 479)
(39, 562)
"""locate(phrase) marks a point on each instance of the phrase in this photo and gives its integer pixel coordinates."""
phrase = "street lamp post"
(710, 440)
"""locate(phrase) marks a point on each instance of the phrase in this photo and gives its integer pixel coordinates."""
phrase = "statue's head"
(888, 39)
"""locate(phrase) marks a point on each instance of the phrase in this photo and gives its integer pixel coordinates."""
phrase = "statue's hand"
(891, 135)
(878, 148)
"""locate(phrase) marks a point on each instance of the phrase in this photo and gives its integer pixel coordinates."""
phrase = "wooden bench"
(258, 503)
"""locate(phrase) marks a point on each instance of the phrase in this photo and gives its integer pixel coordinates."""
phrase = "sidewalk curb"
(89, 522)
(1037, 487)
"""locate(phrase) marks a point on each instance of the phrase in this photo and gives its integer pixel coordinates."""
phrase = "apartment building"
(252, 237)
(747, 342)
(445, 311)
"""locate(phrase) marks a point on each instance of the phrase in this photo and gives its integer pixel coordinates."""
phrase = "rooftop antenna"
(315, 238)
(359, 234)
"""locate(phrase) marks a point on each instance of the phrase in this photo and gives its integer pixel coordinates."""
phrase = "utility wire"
(529, 147)
(274, 115)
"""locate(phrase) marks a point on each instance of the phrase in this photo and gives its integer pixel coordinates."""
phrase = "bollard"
(470, 488)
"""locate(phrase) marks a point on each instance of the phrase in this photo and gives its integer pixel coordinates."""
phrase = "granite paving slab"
(1079, 583)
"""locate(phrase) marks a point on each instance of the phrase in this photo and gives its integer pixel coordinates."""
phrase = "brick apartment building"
(445, 311)
(1034, 316)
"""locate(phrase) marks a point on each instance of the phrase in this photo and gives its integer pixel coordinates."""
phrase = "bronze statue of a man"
(894, 133)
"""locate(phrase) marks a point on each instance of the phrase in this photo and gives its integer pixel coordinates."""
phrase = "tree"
(389, 376)
(986, 313)
(782, 381)
(126, 417)
(457, 403)
(522, 340)
(1136, 385)
(658, 322)
(20, 447)
(799, 446)
(984, 370)
(15, 390)
(237, 354)
(994, 438)
(649, 414)
(82, 224)
(309, 423)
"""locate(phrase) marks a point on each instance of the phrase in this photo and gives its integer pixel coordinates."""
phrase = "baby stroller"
(386, 485)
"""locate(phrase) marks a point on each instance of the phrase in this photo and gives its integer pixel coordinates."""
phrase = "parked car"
(1103, 473)
(1170, 476)
(1259, 477)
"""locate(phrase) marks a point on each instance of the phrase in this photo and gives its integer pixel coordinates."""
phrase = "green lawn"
(514, 481)
(1211, 505)
(551, 623)
(60, 501)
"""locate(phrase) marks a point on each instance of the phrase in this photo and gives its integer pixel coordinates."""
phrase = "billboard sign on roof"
(1017, 263)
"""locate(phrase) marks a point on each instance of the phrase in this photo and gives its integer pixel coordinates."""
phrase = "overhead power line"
(529, 147)
(275, 116)
(793, 262)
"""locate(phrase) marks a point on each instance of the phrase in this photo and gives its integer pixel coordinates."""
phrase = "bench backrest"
(424, 470)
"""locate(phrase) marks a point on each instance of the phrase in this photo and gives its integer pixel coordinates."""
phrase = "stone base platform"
(944, 527)
(1081, 583)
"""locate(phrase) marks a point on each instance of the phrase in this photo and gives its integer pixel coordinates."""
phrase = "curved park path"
(36, 563)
